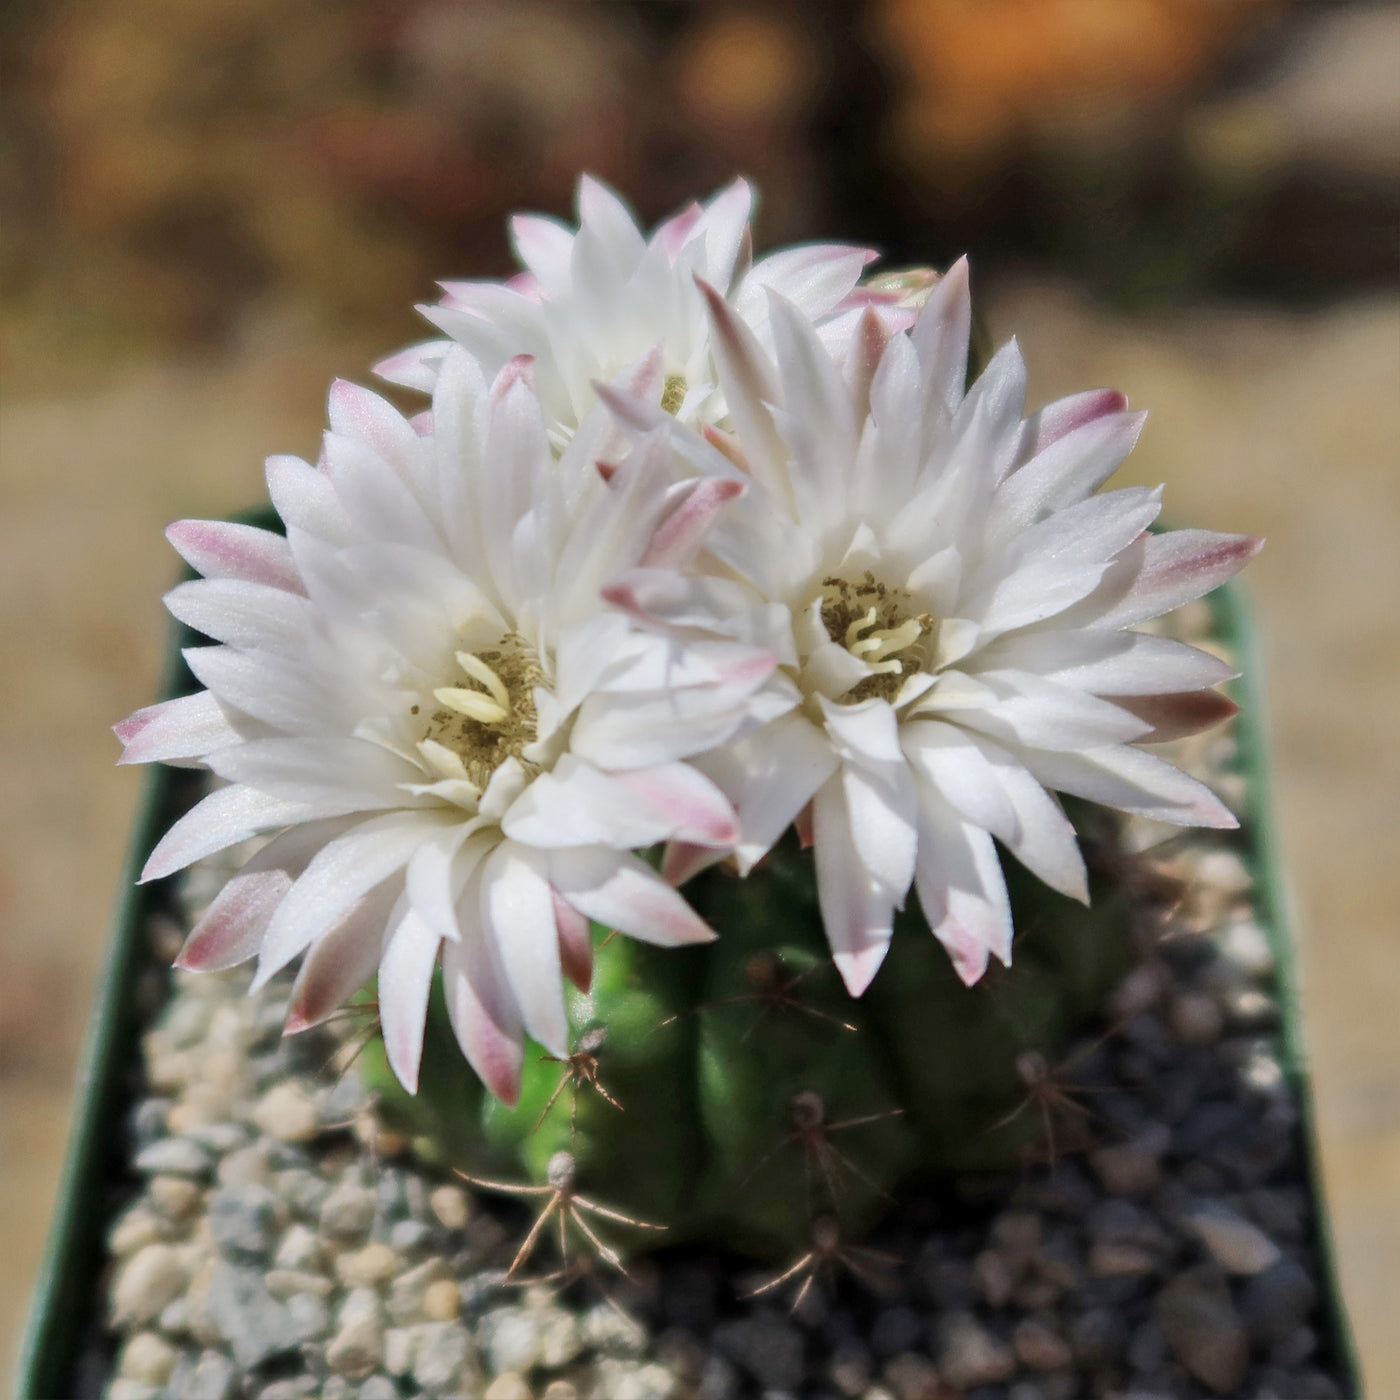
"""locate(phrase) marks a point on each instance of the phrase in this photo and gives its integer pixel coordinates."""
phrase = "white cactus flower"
(951, 599)
(600, 298)
(458, 742)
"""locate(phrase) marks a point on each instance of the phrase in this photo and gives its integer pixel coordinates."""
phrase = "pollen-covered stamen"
(490, 721)
(673, 393)
(875, 624)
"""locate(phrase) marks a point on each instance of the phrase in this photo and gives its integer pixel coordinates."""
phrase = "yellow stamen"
(857, 627)
(478, 670)
(471, 703)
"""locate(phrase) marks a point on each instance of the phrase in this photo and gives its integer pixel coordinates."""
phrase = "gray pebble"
(1203, 1329)
(1040, 1347)
(357, 1348)
(510, 1338)
(310, 1316)
(304, 1191)
(765, 1345)
(1236, 1245)
(243, 1221)
(440, 1353)
(293, 1388)
(409, 1236)
(1276, 1301)
(897, 1329)
(849, 1368)
(174, 1156)
(611, 1332)
(719, 1380)
(254, 1324)
(298, 1250)
(969, 1355)
(215, 1378)
(1099, 1338)
(148, 1281)
(348, 1212)
(379, 1388)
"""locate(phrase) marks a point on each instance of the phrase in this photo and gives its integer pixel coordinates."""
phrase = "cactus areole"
(736, 1093)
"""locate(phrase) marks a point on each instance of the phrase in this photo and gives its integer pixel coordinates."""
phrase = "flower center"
(877, 625)
(492, 718)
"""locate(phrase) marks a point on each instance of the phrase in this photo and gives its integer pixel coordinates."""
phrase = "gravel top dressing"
(1157, 1246)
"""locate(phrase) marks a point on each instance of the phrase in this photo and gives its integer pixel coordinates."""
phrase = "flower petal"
(619, 891)
(187, 727)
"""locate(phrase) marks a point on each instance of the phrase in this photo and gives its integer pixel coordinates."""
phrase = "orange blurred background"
(211, 207)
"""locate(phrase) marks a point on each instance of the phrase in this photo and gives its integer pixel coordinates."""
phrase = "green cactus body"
(741, 1092)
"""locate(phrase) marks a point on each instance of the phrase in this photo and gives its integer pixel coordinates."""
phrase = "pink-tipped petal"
(575, 942)
(1177, 716)
(520, 369)
(683, 860)
(231, 929)
(728, 446)
(806, 833)
(338, 964)
(405, 982)
(185, 728)
(680, 533)
(619, 891)
(484, 1015)
(1177, 567)
(225, 549)
(223, 819)
(1063, 416)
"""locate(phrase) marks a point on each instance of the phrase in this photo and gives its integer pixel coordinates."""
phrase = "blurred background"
(211, 207)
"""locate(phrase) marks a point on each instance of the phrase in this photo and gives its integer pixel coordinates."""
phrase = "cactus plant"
(711, 606)
(725, 1073)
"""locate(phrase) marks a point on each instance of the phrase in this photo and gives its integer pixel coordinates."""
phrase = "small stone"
(560, 1389)
(305, 1192)
(1225, 871)
(173, 1196)
(407, 1290)
(451, 1205)
(626, 1380)
(613, 1333)
(561, 1337)
(147, 1358)
(994, 1278)
(897, 1329)
(215, 1378)
(283, 1283)
(511, 1339)
(244, 1166)
(1246, 945)
(1294, 1349)
(441, 1300)
(1110, 1260)
(243, 1221)
(299, 1250)
(398, 1350)
(767, 1346)
(293, 1388)
(254, 1323)
(1099, 1338)
(357, 1348)
(1040, 1347)
(348, 1211)
(364, 1268)
(1195, 1018)
(849, 1368)
(379, 1388)
(149, 1280)
(311, 1318)
(1017, 1233)
(970, 1355)
(719, 1380)
(1277, 1301)
(132, 1390)
(135, 1230)
(1234, 1243)
(510, 1385)
(287, 1112)
(1204, 1330)
(911, 1376)
(174, 1156)
(1132, 1168)
(409, 1236)
(440, 1354)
